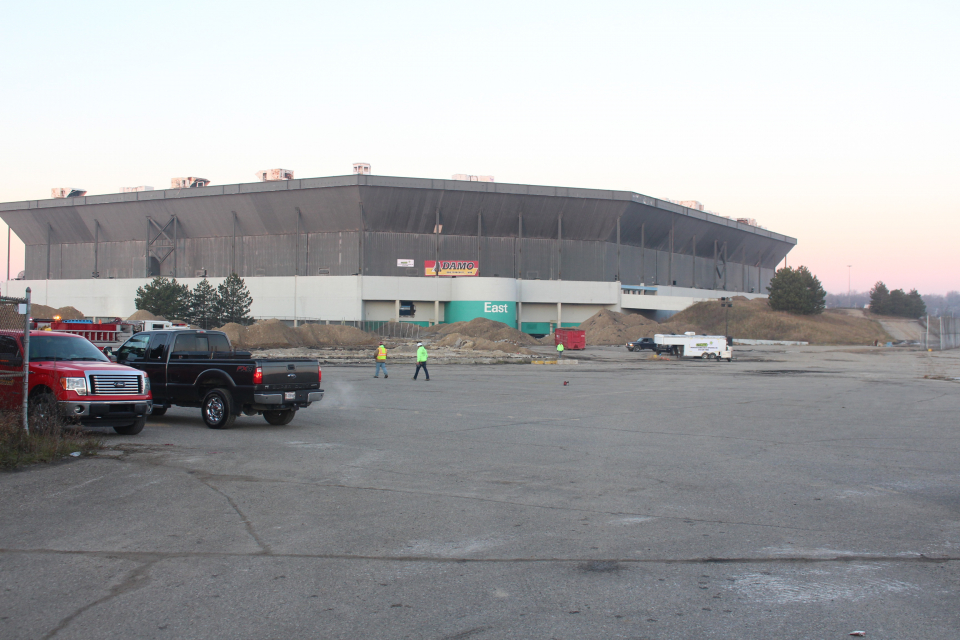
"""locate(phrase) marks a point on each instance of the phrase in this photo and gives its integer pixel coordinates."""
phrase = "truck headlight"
(74, 384)
(146, 383)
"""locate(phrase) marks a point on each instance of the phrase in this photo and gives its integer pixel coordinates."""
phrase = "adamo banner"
(451, 268)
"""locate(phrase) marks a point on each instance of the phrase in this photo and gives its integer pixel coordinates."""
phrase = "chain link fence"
(940, 333)
(15, 355)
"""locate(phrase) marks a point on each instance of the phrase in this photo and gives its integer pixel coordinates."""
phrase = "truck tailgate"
(290, 374)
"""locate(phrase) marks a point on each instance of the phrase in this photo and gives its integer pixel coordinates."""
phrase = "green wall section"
(466, 310)
(544, 327)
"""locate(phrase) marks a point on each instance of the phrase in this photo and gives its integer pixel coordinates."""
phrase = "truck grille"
(116, 385)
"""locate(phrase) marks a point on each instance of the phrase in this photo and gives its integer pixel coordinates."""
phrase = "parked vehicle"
(690, 345)
(642, 344)
(69, 375)
(196, 368)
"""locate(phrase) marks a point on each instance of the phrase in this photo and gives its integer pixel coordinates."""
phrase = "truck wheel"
(279, 417)
(132, 429)
(158, 411)
(44, 413)
(216, 409)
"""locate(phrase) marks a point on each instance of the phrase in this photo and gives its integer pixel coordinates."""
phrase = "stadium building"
(364, 248)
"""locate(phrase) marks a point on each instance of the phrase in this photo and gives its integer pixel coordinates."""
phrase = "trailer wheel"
(705, 356)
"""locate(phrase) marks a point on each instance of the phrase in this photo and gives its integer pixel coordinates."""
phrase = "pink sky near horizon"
(831, 123)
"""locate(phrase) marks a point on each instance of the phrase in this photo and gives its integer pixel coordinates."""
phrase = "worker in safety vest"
(559, 350)
(381, 358)
(421, 361)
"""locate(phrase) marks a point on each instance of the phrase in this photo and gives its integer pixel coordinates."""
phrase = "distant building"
(188, 183)
(274, 175)
(468, 178)
(361, 168)
(67, 192)
(135, 189)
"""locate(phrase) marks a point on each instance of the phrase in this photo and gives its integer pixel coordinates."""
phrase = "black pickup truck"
(194, 368)
(641, 344)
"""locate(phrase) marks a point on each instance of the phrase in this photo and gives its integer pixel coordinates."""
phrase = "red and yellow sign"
(451, 268)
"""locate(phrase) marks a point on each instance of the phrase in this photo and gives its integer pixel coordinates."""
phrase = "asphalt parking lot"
(794, 493)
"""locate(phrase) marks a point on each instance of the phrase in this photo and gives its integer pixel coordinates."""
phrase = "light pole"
(726, 303)
(849, 301)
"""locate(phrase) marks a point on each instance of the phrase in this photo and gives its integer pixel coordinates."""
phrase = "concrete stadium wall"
(373, 298)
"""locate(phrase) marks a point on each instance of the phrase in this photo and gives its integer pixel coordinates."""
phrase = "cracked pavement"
(794, 493)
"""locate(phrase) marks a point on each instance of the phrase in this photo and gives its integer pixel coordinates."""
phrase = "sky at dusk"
(832, 122)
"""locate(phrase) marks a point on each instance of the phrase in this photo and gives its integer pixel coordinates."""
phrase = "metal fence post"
(941, 333)
(26, 362)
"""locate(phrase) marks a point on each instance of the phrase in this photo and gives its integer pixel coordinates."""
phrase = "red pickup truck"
(70, 375)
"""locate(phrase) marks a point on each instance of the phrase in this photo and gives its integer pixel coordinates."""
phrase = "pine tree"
(796, 291)
(203, 305)
(233, 301)
(915, 304)
(879, 298)
(162, 297)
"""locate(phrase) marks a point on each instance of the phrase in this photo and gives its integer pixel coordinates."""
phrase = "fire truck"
(103, 332)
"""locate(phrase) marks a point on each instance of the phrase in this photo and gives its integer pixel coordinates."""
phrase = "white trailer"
(690, 345)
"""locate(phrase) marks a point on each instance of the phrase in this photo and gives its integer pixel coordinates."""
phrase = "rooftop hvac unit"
(692, 204)
(361, 168)
(750, 221)
(67, 192)
(274, 175)
(135, 189)
(188, 182)
(469, 178)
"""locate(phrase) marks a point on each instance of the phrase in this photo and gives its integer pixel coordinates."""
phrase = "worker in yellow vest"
(559, 350)
(381, 361)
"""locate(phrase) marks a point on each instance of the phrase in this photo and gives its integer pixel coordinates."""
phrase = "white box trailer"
(690, 345)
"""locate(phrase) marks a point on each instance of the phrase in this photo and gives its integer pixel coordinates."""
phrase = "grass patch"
(754, 319)
(47, 441)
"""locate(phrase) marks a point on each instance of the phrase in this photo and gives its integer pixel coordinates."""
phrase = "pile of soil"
(461, 341)
(325, 335)
(143, 314)
(484, 328)
(65, 313)
(612, 327)
(275, 334)
(754, 319)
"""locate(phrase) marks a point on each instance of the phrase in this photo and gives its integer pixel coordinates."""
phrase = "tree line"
(205, 306)
(896, 303)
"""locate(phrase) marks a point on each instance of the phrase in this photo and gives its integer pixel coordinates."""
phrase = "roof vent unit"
(135, 189)
(67, 192)
(468, 178)
(750, 221)
(361, 168)
(274, 175)
(692, 204)
(188, 182)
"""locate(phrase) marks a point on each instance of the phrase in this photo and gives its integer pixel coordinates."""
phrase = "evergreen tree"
(879, 298)
(203, 305)
(233, 301)
(796, 291)
(163, 297)
(915, 304)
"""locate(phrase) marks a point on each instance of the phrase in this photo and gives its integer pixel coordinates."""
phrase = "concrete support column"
(396, 311)
(559, 313)
(436, 312)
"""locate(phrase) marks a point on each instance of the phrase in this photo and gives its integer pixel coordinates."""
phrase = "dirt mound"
(65, 313)
(755, 320)
(143, 314)
(461, 341)
(323, 335)
(613, 327)
(234, 332)
(484, 328)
